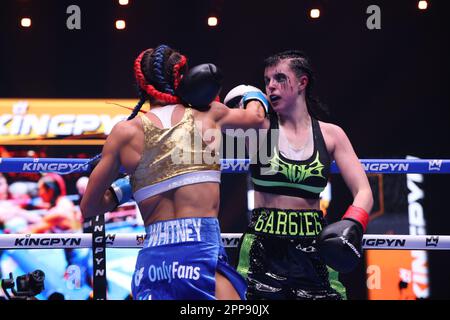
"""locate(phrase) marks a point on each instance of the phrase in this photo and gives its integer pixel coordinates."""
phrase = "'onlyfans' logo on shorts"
(169, 272)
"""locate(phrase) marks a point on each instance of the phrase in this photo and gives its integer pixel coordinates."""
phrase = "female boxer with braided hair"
(182, 256)
(284, 253)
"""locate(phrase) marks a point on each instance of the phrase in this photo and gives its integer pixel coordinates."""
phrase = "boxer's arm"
(340, 243)
(98, 199)
(253, 116)
(351, 170)
(41, 227)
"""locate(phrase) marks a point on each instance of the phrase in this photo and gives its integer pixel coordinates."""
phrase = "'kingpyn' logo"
(109, 240)
(385, 167)
(434, 165)
(29, 241)
(386, 242)
(36, 165)
(47, 121)
(20, 108)
(432, 241)
(230, 242)
(140, 239)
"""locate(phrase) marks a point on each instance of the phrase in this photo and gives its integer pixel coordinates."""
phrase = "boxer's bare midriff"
(269, 200)
(196, 200)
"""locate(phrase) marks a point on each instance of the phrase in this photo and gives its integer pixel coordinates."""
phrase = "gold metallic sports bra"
(173, 157)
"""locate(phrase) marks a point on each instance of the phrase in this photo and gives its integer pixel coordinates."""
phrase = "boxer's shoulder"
(214, 113)
(334, 130)
(124, 131)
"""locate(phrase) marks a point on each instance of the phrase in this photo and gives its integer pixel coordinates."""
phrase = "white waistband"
(176, 182)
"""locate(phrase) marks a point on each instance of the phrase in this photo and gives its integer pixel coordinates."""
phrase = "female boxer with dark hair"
(61, 215)
(51, 188)
(284, 252)
(183, 257)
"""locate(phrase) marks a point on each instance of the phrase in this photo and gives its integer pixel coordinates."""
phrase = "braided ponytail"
(159, 68)
(142, 98)
(158, 73)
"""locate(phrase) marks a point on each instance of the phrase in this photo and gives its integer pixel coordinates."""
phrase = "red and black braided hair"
(158, 72)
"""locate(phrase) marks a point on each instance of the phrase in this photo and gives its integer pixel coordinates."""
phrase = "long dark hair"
(300, 65)
(56, 183)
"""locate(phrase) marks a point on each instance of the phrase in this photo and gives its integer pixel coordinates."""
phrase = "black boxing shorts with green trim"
(278, 258)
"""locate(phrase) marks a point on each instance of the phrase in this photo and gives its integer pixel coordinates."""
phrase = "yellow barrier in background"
(60, 121)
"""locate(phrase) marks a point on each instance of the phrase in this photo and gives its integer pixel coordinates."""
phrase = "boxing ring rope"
(229, 240)
(384, 166)
(99, 240)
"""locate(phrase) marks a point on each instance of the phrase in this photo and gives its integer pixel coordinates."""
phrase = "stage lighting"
(25, 22)
(422, 5)
(212, 21)
(314, 13)
(120, 24)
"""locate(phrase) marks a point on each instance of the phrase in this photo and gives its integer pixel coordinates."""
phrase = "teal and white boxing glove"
(121, 190)
(241, 95)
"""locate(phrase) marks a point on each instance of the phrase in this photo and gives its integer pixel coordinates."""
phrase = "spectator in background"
(81, 185)
(14, 199)
(4, 193)
(61, 215)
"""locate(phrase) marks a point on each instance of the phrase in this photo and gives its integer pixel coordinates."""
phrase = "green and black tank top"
(271, 172)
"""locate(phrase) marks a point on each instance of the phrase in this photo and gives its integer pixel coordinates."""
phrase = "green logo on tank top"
(296, 173)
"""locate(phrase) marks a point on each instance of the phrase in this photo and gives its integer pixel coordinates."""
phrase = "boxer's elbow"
(256, 113)
(256, 119)
(260, 118)
(92, 206)
(88, 208)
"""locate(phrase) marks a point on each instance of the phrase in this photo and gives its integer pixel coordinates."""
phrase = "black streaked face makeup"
(280, 78)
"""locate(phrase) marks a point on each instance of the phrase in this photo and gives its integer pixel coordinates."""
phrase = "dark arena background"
(384, 78)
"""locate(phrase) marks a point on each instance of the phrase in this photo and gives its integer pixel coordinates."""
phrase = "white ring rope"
(230, 240)
(388, 166)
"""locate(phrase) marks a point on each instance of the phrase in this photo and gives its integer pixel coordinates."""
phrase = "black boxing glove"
(200, 86)
(340, 243)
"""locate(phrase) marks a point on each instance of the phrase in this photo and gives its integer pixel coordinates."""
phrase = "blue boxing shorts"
(180, 259)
